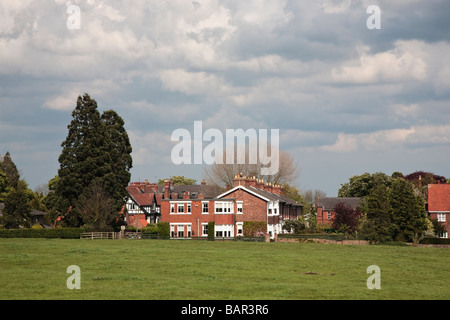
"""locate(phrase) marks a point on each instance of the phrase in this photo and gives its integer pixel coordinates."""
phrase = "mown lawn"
(193, 270)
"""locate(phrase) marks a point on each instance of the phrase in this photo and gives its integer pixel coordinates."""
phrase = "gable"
(252, 192)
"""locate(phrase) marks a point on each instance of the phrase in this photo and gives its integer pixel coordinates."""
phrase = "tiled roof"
(330, 203)
(439, 197)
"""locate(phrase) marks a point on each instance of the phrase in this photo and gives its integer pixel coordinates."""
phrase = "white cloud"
(344, 143)
(398, 64)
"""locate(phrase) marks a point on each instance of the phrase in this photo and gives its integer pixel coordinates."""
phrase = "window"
(180, 208)
(441, 217)
(239, 207)
(224, 230)
(188, 230)
(224, 207)
(204, 229)
(180, 230)
(239, 229)
(329, 215)
(172, 208)
(188, 208)
(205, 207)
(172, 231)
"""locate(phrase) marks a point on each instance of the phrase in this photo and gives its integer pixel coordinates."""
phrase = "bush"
(254, 228)
(211, 231)
(62, 233)
(163, 229)
(434, 241)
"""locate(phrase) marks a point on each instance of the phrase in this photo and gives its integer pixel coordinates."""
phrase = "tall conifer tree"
(96, 149)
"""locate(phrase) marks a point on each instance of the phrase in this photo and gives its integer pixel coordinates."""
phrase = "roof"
(330, 203)
(147, 198)
(263, 194)
(439, 197)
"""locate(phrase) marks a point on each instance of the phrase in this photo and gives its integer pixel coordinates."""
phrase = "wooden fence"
(100, 235)
(143, 235)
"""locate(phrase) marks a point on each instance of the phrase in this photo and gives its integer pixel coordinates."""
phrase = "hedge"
(62, 233)
(434, 241)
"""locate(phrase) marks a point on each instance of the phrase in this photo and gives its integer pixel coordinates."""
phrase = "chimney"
(251, 181)
(166, 189)
(420, 181)
(277, 189)
(240, 179)
(203, 182)
(186, 195)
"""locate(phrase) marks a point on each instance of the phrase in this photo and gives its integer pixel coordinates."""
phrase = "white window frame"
(441, 217)
(239, 226)
(239, 207)
(226, 206)
(204, 228)
(180, 204)
(181, 228)
(224, 231)
(203, 207)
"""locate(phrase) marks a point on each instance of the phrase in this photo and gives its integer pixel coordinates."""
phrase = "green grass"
(163, 269)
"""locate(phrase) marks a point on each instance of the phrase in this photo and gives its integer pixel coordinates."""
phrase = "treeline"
(392, 207)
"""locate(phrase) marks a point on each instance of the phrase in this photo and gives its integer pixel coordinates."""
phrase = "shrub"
(63, 233)
(211, 231)
(435, 241)
(254, 228)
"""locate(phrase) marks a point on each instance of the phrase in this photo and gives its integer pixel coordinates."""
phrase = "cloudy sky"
(347, 99)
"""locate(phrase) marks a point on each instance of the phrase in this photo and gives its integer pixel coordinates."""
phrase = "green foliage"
(408, 212)
(96, 207)
(17, 209)
(163, 229)
(435, 241)
(179, 180)
(254, 228)
(4, 186)
(295, 226)
(211, 233)
(10, 170)
(96, 147)
(438, 228)
(378, 212)
(63, 233)
(362, 185)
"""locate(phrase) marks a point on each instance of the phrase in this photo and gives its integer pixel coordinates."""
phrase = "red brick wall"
(254, 208)
(196, 213)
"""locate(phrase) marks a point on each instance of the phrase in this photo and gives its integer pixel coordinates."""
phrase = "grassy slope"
(158, 269)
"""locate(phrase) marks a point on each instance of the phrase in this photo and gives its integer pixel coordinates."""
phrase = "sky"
(347, 97)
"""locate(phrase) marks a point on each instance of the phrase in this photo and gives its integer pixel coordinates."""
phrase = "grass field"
(163, 269)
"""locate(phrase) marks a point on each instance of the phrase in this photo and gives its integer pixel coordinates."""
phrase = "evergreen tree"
(96, 147)
(408, 212)
(17, 208)
(10, 170)
(120, 152)
(377, 222)
(4, 186)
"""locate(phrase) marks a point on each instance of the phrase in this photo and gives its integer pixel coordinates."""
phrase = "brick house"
(143, 205)
(325, 208)
(439, 205)
(250, 199)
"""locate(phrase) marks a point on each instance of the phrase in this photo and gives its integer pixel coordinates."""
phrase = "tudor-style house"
(143, 205)
(250, 199)
(439, 205)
